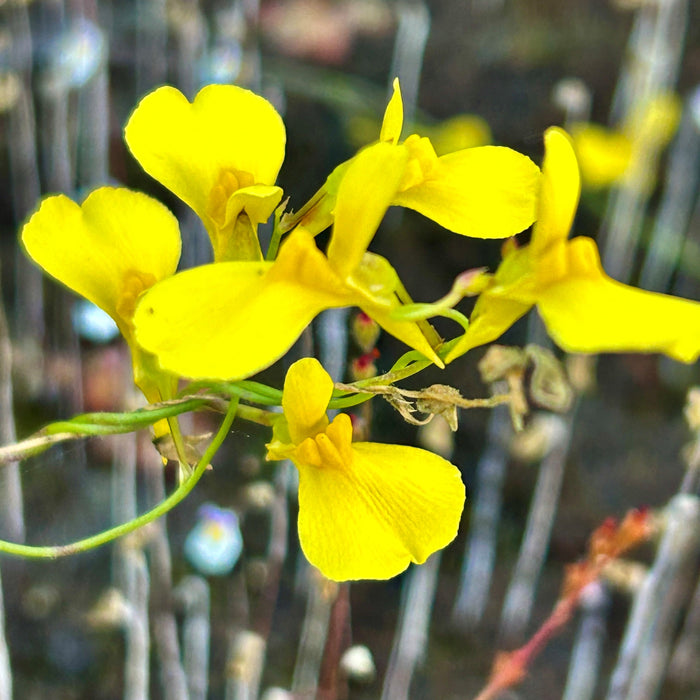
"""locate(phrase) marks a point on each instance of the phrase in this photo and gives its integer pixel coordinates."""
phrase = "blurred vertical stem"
(252, 58)
(520, 596)
(485, 515)
(683, 667)
(677, 203)
(172, 673)
(656, 46)
(418, 595)
(138, 641)
(93, 136)
(411, 636)
(409, 48)
(11, 500)
(645, 647)
(330, 683)
(321, 594)
(193, 594)
(244, 666)
(130, 570)
(5, 670)
(587, 653)
(24, 172)
(151, 45)
(276, 550)
(190, 33)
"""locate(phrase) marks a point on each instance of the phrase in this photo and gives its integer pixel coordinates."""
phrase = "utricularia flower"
(583, 309)
(231, 319)
(110, 249)
(366, 510)
(220, 154)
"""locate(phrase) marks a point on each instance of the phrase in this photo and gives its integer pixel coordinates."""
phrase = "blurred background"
(217, 601)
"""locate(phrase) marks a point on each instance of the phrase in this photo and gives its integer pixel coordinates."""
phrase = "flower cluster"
(366, 510)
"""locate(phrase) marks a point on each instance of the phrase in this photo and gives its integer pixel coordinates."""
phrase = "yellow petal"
(487, 192)
(590, 312)
(385, 507)
(227, 136)
(393, 117)
(561, 186)
(108, 250)
(230, 320)
(307, 390)
(491, 318)
(364, 195)
(258, 201)
(603, 155)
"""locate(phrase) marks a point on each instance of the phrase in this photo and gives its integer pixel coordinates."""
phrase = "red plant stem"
(607, 543)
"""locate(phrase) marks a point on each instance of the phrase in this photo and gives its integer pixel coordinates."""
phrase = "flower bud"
(365, 331)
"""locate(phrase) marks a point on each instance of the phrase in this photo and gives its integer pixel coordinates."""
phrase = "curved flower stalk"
(613, 156)
(220, 154)
(483, 192)
(583, 309)
(109, 250)
(366, 510)
(229, 320)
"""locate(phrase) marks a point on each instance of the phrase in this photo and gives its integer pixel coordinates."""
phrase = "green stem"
(110, 423)
(246, 390)
(431, 335)
(52, 552)
(184, 470)
(275, 239)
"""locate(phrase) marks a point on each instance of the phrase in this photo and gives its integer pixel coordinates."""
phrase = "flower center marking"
(227, 184)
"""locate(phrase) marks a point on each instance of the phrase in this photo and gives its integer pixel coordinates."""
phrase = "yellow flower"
(485, 192)
(366, 510)
(110, 249)
(583, 309)
(614, 156)
(220, 154)
(229, 320)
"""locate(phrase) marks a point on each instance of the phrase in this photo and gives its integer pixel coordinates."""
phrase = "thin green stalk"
(246, 390)
(96, 424)
(52, 552)
(276, 237)
(431, 335)
(109, 423)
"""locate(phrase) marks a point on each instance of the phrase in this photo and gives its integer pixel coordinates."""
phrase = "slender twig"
(131, 571)
(5, 669)
(330, 683)
(409, 47)
(646, 644)
(587, 653)
(193, 594)
(151, 55)
(12, 508)
(677, 203)
(683, 666)
(321, 594)
(138, 641)
(521, 591)
(245, 665)
(480, 550)
(410, 641)
(51, 552)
